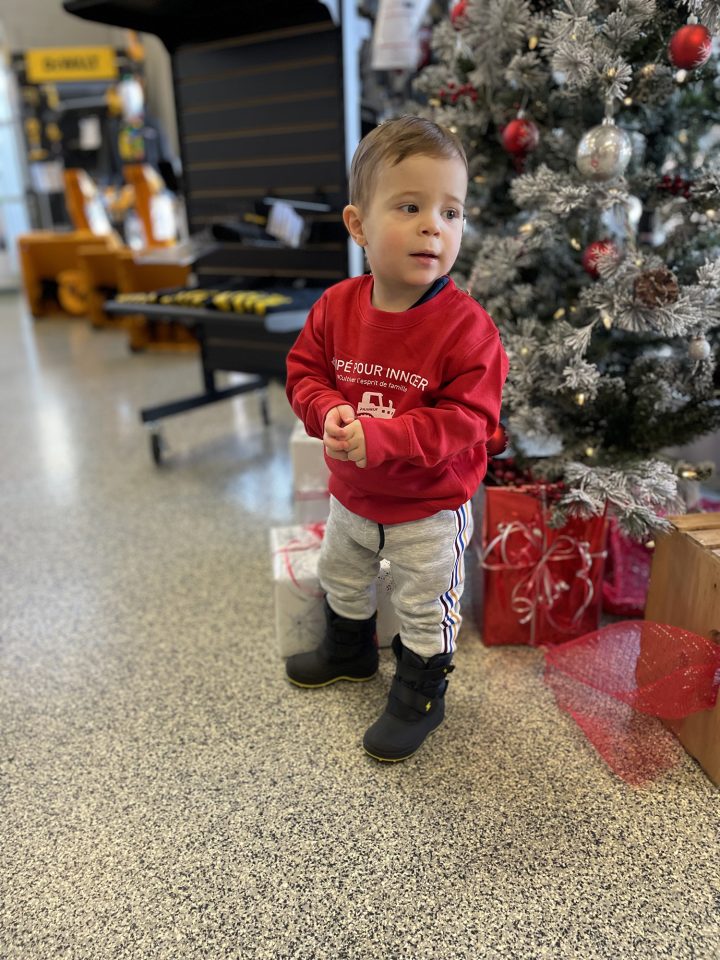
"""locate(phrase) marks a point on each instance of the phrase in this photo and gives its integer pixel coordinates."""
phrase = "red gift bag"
(627, 572)
(534, 584)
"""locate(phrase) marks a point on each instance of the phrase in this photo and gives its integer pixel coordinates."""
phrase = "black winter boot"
(348, 652)
(415, 707)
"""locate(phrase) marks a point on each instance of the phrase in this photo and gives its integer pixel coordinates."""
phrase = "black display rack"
(261, 102)
(260, 110)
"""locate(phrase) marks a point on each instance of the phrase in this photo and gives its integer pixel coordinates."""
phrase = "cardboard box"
(685, 592)
(299, 610)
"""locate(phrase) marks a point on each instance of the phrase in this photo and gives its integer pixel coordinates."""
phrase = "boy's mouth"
(425, 255)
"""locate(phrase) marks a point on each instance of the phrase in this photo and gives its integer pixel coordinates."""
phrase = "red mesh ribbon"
(616, 682)
(315, 532)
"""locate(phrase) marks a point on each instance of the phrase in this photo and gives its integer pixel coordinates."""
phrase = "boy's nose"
(431, 227)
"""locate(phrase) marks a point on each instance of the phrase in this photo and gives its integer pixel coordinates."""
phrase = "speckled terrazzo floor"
(164, 792)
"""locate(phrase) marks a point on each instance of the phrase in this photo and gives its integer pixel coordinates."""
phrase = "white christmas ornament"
(604, 152)
(699, 349)
(622, 218)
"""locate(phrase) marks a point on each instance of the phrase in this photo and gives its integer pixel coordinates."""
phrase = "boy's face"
(411, 227)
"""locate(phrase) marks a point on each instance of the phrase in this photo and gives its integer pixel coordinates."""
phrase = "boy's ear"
(353, 222)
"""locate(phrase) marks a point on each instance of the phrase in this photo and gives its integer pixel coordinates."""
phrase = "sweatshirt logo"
(377, 375)
(373, 405)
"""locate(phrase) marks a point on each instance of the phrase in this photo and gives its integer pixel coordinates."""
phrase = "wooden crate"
(685, 592)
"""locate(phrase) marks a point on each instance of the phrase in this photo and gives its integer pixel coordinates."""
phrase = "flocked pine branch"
(612, 365)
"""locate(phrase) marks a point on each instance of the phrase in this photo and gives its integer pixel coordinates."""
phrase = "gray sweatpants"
(427, 558)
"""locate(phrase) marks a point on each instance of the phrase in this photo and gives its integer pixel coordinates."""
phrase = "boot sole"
(326, 683)
(405, 756)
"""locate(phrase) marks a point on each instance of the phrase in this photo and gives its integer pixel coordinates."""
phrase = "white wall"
(160, 97)
(44, 23)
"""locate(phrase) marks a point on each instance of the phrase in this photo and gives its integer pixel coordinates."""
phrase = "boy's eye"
(409, 207)
(452, 214)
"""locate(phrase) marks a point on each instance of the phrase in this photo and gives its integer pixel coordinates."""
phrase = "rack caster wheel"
(157, 447)
(264, 409)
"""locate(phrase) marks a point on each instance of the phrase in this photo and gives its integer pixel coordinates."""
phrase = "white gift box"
(299, 608)
(311, 506)
(307, 455)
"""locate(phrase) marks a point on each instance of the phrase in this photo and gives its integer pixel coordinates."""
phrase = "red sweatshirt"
(428, 383)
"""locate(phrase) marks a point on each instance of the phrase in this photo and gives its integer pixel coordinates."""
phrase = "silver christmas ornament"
(699, 349)
(604, 152)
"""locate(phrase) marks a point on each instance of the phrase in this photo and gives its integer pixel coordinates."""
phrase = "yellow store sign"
(63, 64)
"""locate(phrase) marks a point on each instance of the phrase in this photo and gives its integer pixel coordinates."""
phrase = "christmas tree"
(593, 232)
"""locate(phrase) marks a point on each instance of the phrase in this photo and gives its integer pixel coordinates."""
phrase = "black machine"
(261, 112)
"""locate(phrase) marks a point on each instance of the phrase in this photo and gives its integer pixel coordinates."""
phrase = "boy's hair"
(392, 142)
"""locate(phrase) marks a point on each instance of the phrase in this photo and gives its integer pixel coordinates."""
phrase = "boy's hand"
(356, 443)
(335, 432)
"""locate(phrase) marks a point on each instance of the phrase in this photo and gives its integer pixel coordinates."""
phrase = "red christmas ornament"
(690, 46)
(520, 137)
(591, 254)
(457, 14)
(497, 443)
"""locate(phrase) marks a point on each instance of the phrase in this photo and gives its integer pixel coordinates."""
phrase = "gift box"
(311, 506)
(299, 609)
(534, 584)
(684, 593)
(311, 496)
(307, 456)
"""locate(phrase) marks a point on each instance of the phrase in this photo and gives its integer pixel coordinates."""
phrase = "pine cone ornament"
(656, 288)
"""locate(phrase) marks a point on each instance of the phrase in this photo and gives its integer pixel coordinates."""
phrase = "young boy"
(401, 374)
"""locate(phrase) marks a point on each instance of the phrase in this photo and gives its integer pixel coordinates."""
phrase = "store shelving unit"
(268, 108)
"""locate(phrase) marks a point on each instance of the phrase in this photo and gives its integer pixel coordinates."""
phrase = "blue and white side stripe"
(450, 599)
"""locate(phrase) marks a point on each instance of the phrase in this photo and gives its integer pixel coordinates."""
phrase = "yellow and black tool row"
(228, 301)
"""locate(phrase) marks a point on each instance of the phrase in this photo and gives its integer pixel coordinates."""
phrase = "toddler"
(401, 374)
